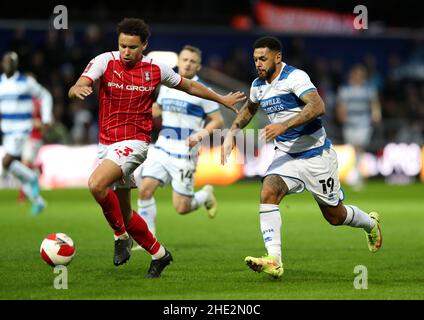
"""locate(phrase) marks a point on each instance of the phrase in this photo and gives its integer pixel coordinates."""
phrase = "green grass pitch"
(319, 259)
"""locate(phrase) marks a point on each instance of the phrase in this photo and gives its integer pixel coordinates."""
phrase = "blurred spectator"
(81, 122)
(358, 109)
(53, 49)
(297, 54)
(417, 52)
(336, 72)
(20, 44)
(215, 62)
(55, 56)
(38, 67)
(327, 91)
(412, 130)
(94, 43)
(375, 78)
(235, 65)
(57, 133)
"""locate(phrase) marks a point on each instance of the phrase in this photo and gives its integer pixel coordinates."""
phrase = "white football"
(57, 249)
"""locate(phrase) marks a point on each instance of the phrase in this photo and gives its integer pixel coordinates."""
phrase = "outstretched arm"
(197, 89)
(313, 109)
(81, 89)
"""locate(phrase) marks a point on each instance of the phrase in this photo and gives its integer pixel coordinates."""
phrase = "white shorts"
(357, 136)
(128, 154)
(30, 149)
(167, 169)
(319, 175)
(14, 143)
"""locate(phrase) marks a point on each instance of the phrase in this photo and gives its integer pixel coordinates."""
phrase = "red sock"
(138, 229)
(112, 212)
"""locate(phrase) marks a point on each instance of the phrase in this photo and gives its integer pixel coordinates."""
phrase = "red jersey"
(126, 95)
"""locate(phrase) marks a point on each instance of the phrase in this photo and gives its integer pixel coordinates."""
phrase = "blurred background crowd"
(391, 50)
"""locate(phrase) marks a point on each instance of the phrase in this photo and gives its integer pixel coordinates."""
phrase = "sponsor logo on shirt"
(129, 87)
(272, 105)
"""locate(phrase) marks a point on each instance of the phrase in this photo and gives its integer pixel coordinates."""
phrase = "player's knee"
(4, 164)
(6, 161)
(96, 188)
(145, 194)
(268, 195)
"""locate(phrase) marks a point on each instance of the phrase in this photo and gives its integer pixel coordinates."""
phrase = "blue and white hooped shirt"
(17, 106)
(280, 100)
(182, 115)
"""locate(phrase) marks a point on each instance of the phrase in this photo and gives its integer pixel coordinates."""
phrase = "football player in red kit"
(128, 81)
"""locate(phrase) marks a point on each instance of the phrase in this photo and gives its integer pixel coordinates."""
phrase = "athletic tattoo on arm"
(245, 114)
(313, 109)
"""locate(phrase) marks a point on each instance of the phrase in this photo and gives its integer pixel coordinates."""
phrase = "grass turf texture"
(319, 259)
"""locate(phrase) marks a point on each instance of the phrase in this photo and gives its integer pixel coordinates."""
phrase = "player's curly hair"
(134, 27)
(268, 42)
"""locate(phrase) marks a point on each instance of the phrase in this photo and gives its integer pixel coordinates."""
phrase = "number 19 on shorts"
(327, 184)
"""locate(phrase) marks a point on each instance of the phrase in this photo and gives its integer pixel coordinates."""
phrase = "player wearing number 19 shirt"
(128, 81)
(303, 158)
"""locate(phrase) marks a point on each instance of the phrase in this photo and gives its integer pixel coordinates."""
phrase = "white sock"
(22, 172)
(358, 219)
(27, 190)
(123, 236)
(270, 220)
(199, 199)
(147, 210)
(159, 254)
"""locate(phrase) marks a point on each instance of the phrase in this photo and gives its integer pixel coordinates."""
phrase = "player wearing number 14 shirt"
(128, 81)
(186, 121)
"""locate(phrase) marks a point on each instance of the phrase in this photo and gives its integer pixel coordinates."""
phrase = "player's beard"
(268, 73)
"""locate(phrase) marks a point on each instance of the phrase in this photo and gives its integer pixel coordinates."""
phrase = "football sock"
(27, 189)
(112, 211)
(22, 172)
(138, 229)
(159, 254)
(147, 210)
(270, 220)
(357, 218)
(123, 236)
(199, 199)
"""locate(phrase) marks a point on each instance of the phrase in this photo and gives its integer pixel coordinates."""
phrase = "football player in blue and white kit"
(16, 111)
(186, 121)
(304, 157)
(358, 110)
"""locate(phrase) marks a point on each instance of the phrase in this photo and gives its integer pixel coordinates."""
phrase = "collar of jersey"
(13, 77)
